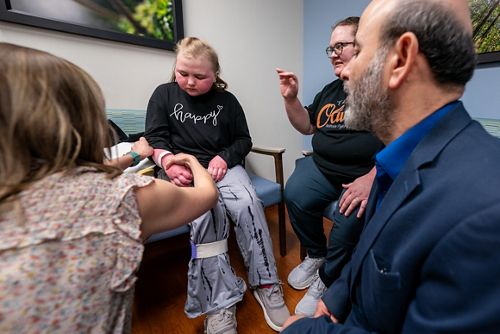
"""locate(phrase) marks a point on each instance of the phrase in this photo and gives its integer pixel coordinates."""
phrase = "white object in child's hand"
(123, 148)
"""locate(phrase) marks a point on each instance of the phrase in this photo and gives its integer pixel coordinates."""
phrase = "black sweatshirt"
(204, 126)
(340, 153)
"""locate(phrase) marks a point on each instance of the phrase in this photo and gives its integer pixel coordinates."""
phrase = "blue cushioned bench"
(270, 192)
(491, 125)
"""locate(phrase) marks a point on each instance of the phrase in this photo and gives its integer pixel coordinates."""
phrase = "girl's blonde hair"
(51, 118)
(195, 47)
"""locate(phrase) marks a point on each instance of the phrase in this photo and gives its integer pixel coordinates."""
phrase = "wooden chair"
(270, 192)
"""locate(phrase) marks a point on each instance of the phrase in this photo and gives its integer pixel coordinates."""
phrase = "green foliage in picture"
(152, 23)
(150, 18)
(486, 24)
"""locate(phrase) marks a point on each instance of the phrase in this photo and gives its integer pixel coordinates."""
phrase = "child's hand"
(142, 148)
(177, 168)
(217, 168)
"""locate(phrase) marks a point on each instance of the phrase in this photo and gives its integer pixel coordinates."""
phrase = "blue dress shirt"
(393, 157)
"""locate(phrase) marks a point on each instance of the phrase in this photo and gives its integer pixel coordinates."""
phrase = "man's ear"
(402, 59)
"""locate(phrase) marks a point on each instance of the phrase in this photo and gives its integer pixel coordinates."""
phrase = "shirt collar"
(394, 156)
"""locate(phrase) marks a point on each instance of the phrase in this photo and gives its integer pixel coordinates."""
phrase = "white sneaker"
(274, 307)
(307, 305)
(302, 276)
(222, 322)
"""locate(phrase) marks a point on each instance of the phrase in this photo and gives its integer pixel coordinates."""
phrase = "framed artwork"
(152, 23)
(485, 16)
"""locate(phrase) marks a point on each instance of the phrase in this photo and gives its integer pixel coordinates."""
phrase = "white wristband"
(160, 158)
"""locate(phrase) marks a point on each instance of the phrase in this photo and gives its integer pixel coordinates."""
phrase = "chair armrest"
(277, 154)
(268, 150)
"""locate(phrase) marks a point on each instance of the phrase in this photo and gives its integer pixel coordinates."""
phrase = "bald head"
(443, 29)
(458, 8)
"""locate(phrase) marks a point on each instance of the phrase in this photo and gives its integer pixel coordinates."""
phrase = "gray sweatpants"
(212, 283)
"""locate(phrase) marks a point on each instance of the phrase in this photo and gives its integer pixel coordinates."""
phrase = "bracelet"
(161, 156)
(136, 157)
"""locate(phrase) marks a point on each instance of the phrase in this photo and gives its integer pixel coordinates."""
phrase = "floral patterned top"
(68, 258)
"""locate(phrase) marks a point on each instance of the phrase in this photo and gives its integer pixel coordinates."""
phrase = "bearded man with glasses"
(341, 166)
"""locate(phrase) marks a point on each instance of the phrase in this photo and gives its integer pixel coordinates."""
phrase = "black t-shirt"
(204, 126)
(341, 154)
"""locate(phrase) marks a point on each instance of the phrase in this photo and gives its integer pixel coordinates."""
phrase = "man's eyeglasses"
(337, 48)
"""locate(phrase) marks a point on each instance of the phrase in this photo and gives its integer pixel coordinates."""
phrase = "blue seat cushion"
(268, 191)
(168, 234)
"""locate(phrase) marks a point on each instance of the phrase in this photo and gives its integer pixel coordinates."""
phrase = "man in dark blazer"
(428, 259)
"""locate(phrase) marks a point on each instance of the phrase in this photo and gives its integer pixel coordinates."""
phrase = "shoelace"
(224, 317)
(275, 295)
(309, 263)
(317, 288)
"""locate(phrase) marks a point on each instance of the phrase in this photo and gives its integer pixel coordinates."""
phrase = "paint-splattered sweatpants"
(212, 283)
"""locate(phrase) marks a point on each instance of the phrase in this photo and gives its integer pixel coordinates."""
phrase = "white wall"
(251, 37)
(126, 73)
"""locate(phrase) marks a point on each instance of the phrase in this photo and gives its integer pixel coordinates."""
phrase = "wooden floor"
(161, 288)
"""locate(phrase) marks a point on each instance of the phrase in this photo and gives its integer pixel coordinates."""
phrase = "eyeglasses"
(337, 48)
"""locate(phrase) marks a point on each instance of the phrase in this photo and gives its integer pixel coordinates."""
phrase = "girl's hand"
(177, 168)
(217, 168)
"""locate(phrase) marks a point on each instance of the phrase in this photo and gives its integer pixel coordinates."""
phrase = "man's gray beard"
(369, 107)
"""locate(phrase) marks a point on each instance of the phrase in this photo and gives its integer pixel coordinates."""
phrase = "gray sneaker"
(307, 305)
(302, 276)
(222, 322)
(273, 305)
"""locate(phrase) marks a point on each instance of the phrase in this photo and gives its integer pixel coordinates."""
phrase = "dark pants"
(307, 194)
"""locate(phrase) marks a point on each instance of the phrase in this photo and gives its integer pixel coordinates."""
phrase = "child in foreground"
(72, 226)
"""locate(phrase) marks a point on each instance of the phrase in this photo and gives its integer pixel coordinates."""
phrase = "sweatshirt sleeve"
(241, 142)
(157, 125)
